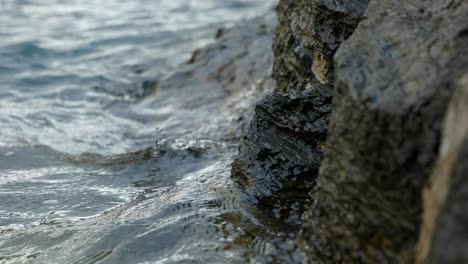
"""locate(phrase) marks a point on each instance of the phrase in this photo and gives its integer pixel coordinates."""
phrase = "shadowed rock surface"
(443, 237)
(394, 79)
(451, 235)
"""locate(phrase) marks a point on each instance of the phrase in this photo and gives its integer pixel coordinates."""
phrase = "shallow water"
(112, 149)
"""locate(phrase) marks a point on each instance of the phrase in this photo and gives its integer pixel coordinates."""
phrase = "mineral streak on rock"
(394, 79)
(443, 237)
(308, 36)
(450, 238)
(280, 154)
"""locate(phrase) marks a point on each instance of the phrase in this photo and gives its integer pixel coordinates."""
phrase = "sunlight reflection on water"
(94, 164)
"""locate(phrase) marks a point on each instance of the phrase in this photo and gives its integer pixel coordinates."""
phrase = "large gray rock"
(394, 78)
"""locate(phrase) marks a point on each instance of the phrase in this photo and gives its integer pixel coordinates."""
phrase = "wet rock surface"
(390, 188)
(308, 36)
(394, 79)
(279, 157)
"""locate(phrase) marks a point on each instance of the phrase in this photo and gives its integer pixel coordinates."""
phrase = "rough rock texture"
(394, 78)
(281, 153)
(309, 35)
(391, 188)
(279, 158)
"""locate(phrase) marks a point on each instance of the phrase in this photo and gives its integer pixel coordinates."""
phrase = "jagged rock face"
(394, 78)
(281, 153)
(279, 158)
(310, 32)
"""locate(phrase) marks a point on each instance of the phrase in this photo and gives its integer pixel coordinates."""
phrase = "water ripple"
(113, 149)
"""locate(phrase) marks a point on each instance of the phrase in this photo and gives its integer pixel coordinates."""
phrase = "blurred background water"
(96, 168)
(63, 63)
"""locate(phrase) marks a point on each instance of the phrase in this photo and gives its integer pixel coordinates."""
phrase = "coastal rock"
(279, 158)
(394, 78)
(309, 34)
(281, 153)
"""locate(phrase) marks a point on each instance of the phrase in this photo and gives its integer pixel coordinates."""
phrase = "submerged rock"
(217, 88)
(394, 78)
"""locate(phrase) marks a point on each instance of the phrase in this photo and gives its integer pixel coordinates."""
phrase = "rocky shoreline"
(367, 130)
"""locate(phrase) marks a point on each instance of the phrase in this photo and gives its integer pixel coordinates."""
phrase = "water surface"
(109, 151)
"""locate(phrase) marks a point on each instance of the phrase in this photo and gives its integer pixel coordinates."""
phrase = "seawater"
(96, 165)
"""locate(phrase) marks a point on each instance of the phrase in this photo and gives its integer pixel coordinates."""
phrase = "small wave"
(29, 49)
